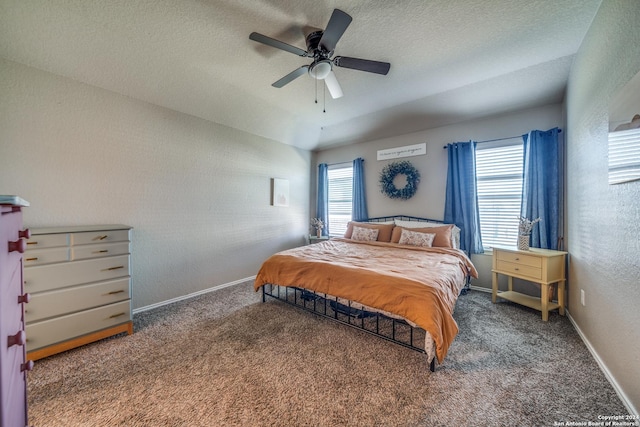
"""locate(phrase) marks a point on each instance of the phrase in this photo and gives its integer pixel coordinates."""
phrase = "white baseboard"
(194, 294)
(480, 288)
(623, 397)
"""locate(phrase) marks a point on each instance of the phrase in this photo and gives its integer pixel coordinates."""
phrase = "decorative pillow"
(364, 234)
(416, 238)
(455, 232)
(384, 229)
(442, 237)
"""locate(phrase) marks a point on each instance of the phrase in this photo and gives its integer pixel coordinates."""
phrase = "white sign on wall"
(406, 151)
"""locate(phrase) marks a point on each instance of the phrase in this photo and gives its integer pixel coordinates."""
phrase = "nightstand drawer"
(525, 271)
(519, 258)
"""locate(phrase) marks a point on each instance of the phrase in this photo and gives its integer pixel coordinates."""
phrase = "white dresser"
(79, 279)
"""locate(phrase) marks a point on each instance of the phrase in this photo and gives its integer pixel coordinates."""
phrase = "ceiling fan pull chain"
(324, 97)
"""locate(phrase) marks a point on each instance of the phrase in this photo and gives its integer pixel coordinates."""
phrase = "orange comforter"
(418, 284)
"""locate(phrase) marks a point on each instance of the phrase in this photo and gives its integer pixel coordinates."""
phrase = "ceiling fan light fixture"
(321, 69)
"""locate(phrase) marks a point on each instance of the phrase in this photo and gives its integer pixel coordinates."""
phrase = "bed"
(395, 277)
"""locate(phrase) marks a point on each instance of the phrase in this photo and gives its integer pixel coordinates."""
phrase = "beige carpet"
(226, 359)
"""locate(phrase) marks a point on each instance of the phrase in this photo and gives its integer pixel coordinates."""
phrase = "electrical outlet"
(582, 297)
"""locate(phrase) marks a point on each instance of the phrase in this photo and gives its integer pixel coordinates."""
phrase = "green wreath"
(394, 169)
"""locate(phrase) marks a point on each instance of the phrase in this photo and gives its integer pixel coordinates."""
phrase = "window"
(624, 155)
(499, 179)
(340, 195)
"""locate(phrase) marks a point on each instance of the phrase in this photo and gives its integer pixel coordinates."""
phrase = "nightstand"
(542, 266)
(316, 239)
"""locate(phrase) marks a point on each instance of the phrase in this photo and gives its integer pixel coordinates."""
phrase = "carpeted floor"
(226, 359)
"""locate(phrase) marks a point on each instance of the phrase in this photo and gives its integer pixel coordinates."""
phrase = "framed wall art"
(279, 192)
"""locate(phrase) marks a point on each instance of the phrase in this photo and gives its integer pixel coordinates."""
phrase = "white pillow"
(364, 234)
(415, 238)
(455, 232)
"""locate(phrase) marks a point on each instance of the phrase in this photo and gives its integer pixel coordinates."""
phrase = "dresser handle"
(517, 259)
(31, 259)
(114, 268)
(113, 316)
(19, 245)
(103, 251)
(115, 292)
(32, 243)
(26, 366)
(517, 269)
(104, 236)
(18, 339)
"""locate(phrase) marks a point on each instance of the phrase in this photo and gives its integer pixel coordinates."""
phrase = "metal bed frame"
(375, 323)
(391, 329)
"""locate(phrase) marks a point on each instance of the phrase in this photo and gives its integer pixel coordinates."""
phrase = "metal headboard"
(403, 218)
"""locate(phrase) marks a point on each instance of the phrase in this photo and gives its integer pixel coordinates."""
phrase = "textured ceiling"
(451, 60)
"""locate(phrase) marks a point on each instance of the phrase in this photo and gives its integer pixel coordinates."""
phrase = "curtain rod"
(502, 139)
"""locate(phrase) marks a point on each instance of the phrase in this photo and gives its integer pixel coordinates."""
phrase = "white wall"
(430, 198)
(604, 220)
(197, 193)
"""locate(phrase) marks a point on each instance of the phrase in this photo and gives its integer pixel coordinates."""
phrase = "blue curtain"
(542, 187)
(322, 205)
(359, 203)
(461, 202)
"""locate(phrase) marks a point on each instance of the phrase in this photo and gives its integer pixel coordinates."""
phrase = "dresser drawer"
(522, 270)
(39, 241)
(46, 256)
(48, 332)
(520, 258)
(69, 300)
(54, 276)
(101, 250)
(89, 237)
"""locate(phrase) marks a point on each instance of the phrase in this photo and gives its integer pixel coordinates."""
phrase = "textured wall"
(196, 193)
(604, 221)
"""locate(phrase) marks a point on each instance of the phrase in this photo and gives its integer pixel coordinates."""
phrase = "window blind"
(624, 156)
(340, 198)
(499, 180)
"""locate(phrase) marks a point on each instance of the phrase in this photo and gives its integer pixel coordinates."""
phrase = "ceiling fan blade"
(260, 38)
(336, 27)
(333, 86)
(362, 64)
(291, 76)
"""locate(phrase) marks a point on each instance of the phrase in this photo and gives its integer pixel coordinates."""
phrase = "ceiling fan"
(320, 47)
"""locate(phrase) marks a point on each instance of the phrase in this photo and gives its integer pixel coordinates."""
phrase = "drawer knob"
(26, 366)
(24, 234)
(24, 299)
(19, 245)
(18, 339)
